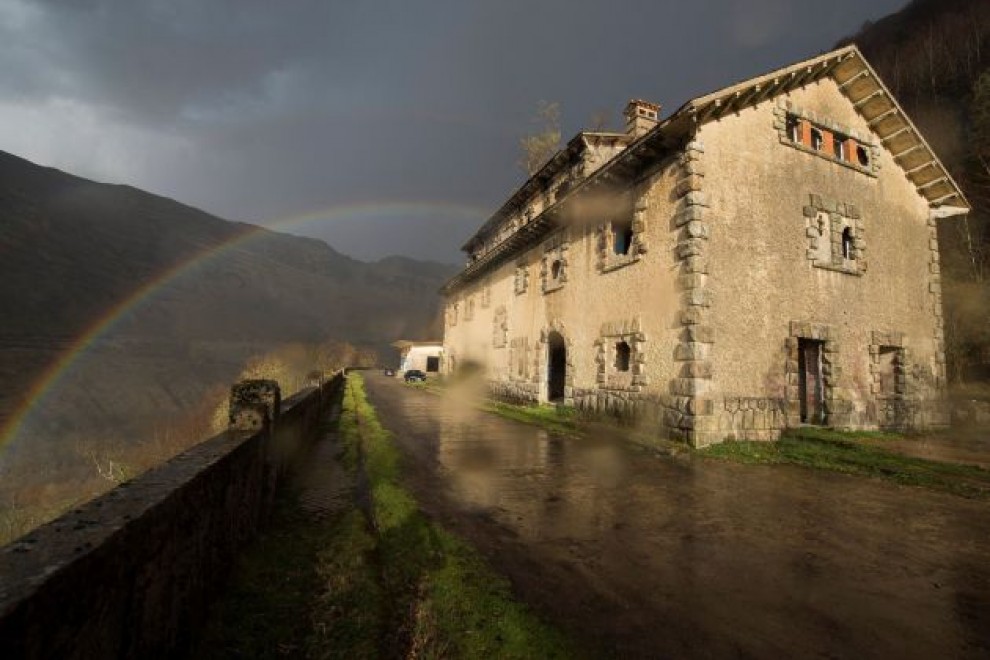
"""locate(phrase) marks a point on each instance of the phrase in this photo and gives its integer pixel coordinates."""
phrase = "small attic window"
(839, 147)
(556, 269)
(827, 140)
(817, 139)
(862, 155)
(793, 128)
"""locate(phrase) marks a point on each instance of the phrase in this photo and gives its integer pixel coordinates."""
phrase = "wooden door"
(811, 387)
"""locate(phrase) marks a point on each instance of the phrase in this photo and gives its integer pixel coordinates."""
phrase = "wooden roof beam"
(858, 75)
(899, 131)
(939, 200)
(708, 111)
(883, 115)
(829, 65)
(746, 98)
(768, 91)
(915, 170)
(933, 182)
(729, 106)
(905, 152)
(800, 80)
(866, 99)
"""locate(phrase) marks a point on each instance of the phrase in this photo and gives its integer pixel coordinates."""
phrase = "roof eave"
(860, 83)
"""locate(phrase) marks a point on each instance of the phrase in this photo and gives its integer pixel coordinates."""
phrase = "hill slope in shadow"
(185, 298)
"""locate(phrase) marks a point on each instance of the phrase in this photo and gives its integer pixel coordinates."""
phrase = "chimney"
(641, 116)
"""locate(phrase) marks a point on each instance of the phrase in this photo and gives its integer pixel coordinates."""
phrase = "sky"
(382, 127)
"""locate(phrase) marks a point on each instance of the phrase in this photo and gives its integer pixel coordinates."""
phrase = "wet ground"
(324, 487)
(646, 555)
(967, 446)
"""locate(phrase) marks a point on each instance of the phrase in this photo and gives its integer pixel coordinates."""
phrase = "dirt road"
(643, 555)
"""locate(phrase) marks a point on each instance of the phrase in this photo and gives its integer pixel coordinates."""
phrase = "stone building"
(422, 355)
(763, 257)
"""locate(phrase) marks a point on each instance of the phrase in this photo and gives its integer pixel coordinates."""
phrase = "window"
(829, 140)
(817, 139)
(519, 358)
(621, 241)
(500, 328)
(622, 355)
(847, 243)
(793, 128)
(836, 236)
(887, 370)
(553, 266)
(522, 279)
(622, 237)
(862, 155)
(839, 147)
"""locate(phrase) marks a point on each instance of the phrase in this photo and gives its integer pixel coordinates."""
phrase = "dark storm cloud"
(258, 110)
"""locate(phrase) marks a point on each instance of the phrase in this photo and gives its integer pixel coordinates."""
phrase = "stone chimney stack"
(641, 116)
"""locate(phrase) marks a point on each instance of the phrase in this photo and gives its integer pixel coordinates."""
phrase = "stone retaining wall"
(514, 391)
(132, 573)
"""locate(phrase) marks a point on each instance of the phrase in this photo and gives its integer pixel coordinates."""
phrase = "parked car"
(414, 376)
(389, 372)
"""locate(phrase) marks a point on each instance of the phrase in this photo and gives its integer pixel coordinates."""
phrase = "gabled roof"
(862, 86)
(855, 78)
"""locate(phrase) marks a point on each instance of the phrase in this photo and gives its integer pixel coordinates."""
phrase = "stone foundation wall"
(895, 414)
(621, 404)
(131, 573)
(752, 418)
(514, 391)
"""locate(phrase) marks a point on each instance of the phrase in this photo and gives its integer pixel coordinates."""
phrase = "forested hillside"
(934, 55)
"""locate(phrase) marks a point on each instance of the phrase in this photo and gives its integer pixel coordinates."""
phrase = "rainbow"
(48, 381)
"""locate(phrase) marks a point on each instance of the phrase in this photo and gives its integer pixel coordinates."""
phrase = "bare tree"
(538, 147)
(600, 121)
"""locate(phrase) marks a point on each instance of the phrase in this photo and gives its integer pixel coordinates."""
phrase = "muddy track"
(641, 555)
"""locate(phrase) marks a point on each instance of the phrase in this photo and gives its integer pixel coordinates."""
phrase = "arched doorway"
(557, 366)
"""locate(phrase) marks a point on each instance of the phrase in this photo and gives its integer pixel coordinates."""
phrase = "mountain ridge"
(161, 279)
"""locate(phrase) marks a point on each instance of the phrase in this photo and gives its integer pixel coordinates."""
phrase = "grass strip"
(376, 579)
(837, 451)
(552, 418)
(444, 600)
(556, 419)
(307, 587)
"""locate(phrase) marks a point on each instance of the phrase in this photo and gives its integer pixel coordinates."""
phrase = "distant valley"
(186, 298)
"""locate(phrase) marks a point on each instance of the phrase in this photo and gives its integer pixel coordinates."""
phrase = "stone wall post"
(254, 403)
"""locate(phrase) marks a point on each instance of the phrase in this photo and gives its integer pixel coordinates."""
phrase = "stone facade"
(714, 277)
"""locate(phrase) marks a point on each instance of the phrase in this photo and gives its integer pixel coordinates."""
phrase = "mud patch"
(643, 555)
